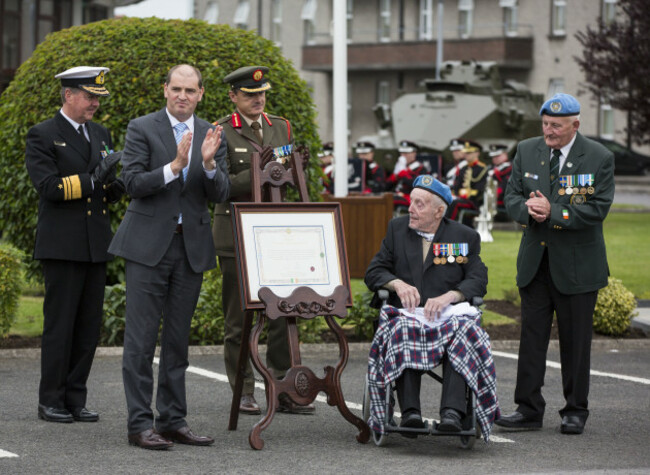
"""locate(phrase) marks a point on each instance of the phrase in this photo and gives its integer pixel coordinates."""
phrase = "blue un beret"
(427, 182)
(560, 105)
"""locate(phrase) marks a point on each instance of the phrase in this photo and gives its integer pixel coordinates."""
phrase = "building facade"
(392, 47)
(25, 23)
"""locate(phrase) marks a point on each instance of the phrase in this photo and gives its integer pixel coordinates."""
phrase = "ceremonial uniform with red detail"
(468, 187)
(501, 173)
(72, 237)
(276, 132)
(403, 183)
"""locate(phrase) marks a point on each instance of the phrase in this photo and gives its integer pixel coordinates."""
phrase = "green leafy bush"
(208, 320)
(11, 280)
(614, 309)
(139, 53)
(112, 329)
(362, 317)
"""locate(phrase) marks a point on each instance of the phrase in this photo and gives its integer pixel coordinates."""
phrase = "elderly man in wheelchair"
(431, 268)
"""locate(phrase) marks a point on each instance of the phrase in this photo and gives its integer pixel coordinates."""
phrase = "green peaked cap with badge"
(249, 79)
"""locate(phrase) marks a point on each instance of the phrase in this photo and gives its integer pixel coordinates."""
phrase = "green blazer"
(276, 131)
(573, 235)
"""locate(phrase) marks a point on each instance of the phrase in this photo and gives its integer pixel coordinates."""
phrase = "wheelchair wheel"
(378, 439)
(468, 441)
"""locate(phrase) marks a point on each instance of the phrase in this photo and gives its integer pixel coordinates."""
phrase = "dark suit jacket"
(574, 233)
(400, 257)
(150, 220)
(238, 161)
(73, 219)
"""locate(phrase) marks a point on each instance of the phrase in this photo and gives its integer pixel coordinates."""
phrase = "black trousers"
(539, 300)
(72, 311)
(453, 389)
(170, 291)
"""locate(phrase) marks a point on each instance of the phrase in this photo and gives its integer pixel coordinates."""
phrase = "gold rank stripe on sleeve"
(71, 187)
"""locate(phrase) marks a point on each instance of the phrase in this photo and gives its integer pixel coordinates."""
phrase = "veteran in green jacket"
(560, 191)
(248, 130)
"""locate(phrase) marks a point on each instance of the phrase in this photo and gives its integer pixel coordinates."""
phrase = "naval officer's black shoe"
(517, 420)
(54, 414)
(81, 414)
(572, 425)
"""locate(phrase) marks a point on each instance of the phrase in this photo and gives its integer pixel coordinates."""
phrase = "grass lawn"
(628, 254)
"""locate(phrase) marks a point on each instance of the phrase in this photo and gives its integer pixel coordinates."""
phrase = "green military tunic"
(276, 132)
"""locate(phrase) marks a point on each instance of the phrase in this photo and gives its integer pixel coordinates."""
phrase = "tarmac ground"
(615, 439)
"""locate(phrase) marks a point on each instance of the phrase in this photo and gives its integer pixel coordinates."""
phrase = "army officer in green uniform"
(560, 191)
(248, 129)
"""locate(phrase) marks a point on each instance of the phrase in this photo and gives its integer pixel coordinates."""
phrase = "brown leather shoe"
(287, 405)
(149, 439)
(248, 405)
(185, 436)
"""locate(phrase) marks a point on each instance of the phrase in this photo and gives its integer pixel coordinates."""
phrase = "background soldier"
(248, 129)
(72, 168)
(469, 184)
(456, 146)
(402, 181)
(500, 173)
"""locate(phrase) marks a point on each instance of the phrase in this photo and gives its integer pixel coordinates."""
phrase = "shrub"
(11, 280)
(614, 309)
(135, 80)
(208, 320)
(362, 317)
(112, 330)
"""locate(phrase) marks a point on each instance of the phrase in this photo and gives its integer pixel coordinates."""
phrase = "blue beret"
(561, 105)
(427, 182)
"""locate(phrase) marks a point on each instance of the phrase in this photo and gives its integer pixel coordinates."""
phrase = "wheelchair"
(470, 429)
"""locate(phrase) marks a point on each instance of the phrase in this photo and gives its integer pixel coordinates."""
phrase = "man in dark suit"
(560, 191)
(419, 272)
(174, 163)
(249, 129)
(68, 161)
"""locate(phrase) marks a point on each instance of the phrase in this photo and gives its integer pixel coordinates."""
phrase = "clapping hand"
(104, 172)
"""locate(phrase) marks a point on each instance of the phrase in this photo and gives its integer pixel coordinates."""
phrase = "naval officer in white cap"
(70, 162)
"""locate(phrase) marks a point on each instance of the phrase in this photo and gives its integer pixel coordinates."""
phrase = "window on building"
(465, 18)
(276, 21)
(384, 21)
(609, 11)
(558, 18)
(241, 14)
(555, 86)
(425, 32)
(606, 121)
(93, 13)
(10, 36)
(211, 14)
(350, 18)
(383, 92)
(308, 16)
(509, 17)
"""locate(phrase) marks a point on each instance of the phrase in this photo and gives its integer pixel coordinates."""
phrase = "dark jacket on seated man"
(429, 261)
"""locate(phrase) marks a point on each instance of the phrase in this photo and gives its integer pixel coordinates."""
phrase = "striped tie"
(555, 167)
(179, 130)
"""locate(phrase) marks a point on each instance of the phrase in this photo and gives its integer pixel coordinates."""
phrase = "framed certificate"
(284, 246)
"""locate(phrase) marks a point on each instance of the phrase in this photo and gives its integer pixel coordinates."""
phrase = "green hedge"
(11, 280)
(207, 323)
(614, 309)
(139, 53)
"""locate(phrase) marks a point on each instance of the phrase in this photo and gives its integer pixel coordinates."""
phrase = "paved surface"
(615, 440)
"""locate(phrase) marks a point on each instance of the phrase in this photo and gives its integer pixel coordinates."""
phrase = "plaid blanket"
(402, 342)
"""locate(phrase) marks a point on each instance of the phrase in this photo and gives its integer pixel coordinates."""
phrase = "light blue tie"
(179, 130)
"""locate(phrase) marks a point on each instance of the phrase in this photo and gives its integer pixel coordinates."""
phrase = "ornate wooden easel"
(300, 383)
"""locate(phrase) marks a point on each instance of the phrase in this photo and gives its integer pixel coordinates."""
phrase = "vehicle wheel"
(378, 439)
(468, 441)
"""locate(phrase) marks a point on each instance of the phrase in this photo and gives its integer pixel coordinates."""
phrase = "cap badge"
(258, 75)
(427, 180)
(100, 78)
(556, 106)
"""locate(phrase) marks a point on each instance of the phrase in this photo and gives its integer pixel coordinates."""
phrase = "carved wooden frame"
(249, 297)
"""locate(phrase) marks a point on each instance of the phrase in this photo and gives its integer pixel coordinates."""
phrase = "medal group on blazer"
(450, 252)
(576, 184)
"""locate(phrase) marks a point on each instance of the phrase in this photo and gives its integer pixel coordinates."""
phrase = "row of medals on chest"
(576, 190)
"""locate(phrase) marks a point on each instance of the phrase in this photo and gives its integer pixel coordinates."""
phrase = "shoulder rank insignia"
(235, 120)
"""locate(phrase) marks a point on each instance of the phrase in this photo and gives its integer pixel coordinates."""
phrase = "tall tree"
(616, 64)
